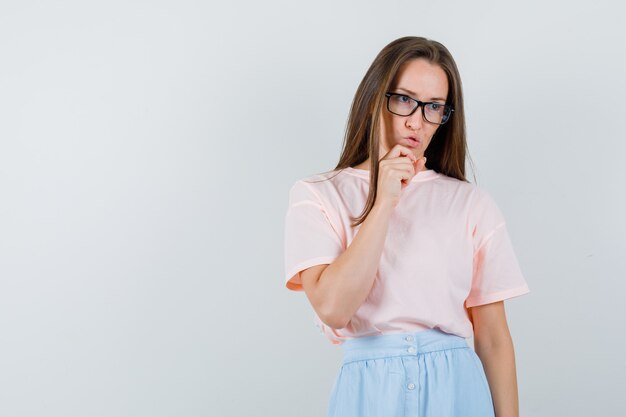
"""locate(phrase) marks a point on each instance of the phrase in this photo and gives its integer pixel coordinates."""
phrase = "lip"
(412, 142)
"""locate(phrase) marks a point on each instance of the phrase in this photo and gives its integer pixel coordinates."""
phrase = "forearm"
(346, 283)
(499, 362)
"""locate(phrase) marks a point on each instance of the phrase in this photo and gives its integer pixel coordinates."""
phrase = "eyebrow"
(413, 94)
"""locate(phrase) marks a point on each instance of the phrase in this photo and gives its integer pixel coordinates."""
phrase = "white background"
(146, 152)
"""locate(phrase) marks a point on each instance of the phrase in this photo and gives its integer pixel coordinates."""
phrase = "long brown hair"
(447, 150)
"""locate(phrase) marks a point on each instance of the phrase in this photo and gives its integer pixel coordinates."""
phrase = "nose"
(415, 120)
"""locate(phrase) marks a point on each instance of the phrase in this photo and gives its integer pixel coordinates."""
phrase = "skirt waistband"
(400, 344)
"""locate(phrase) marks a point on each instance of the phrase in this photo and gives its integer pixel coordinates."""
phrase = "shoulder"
(477, 202)
(476, 193)
(463, 190)
(319, 184)
(482, 199)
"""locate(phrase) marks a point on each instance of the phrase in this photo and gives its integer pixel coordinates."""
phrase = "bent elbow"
(335, 321)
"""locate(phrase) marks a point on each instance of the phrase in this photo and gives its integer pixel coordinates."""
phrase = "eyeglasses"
(403, 105)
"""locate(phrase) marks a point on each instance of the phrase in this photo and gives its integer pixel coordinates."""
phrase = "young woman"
(402, 258)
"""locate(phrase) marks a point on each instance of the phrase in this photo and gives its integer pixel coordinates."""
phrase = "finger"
(401, 164)
(421, 163)
(399, 150)
(401, 160)
(405, 170)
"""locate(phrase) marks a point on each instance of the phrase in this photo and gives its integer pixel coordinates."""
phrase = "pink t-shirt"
(446, 249)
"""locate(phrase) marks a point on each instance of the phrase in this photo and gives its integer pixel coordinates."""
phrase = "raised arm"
(337, 290)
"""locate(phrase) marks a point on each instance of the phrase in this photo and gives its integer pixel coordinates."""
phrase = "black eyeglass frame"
(420, 104)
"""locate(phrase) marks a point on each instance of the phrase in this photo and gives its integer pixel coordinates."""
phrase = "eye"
(403, 99)
(435, 107)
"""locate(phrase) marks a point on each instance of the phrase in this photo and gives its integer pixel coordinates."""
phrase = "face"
(419, 79)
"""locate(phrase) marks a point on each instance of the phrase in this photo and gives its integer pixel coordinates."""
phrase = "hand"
(395, 171)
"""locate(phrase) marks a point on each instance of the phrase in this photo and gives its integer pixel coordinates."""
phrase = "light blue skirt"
(427, 373)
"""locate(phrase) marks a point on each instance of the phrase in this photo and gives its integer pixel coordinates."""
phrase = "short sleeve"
(496, 274)
(311, 237)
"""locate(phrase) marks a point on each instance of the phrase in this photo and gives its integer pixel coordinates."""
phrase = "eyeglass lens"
(403, 106)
